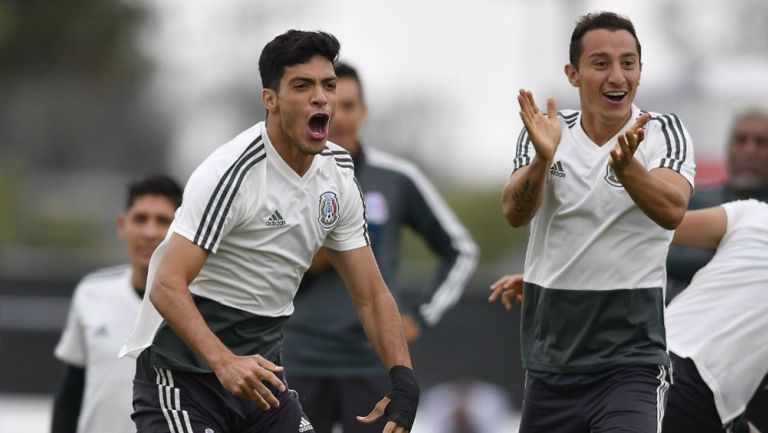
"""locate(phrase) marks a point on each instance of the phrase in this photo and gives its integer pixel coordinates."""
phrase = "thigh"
(358, 396)
(550, 407)
(165, 402)
(629, 399)
(691, 405)
(757, 409)
(318, 399)
(286, 418)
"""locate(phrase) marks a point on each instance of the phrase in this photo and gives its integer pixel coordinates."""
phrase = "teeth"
(615, 93)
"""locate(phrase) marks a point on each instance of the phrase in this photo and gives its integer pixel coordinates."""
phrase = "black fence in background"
(473, 341)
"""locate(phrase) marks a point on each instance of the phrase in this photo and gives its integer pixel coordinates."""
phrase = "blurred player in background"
(95, 393)
(328, 358)
(602, 195)
(747, 167)
(255, 212)
(717, 325)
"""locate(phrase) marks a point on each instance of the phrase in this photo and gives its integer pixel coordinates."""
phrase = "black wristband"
(404, 396)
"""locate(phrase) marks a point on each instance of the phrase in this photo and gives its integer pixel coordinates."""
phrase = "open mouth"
(318, 126)
(616, 96)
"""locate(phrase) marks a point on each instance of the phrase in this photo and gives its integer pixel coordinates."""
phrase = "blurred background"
(94, 93)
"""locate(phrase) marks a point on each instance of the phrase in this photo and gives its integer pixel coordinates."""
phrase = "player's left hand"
(623, 153)
(399, 407)
(510, 287)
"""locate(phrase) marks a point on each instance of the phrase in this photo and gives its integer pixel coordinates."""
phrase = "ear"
(122, 220)
(572, 74)
(269, 99)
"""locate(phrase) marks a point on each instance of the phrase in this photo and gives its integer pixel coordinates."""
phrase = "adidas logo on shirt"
(557, 169)
(275, 220)
(305, 426)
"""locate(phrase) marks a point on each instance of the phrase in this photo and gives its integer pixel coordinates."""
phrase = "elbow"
(160, 293)
(672, 219)
(514, 219)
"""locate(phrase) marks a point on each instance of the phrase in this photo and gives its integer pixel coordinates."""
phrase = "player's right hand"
(544, 131)
(509, 287)
(245, 376)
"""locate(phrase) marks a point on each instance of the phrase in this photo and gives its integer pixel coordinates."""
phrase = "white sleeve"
(670, 146)
(524, 151)
(212, 204)
(72, 347)
(734, 210)
(352, 229)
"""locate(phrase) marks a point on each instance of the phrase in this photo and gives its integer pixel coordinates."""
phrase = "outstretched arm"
(381, 322)
(702, 228)
(240, 375)
(522, 195)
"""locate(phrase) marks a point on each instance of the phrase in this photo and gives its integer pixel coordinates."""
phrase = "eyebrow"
(604, 54)
(310, 80)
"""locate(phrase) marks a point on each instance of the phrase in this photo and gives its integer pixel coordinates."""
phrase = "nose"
(616, 75)
(154, 230)
(319, 99)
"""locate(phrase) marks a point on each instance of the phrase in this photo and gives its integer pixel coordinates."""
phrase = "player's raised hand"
(544, 130)
(509, 287)
(624, 151)
(245, 376)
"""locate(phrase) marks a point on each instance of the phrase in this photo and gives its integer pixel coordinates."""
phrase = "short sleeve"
(735, 210)
(212, 204)
(524, 151)
(352, 229)
(72, 345)
(670, 146)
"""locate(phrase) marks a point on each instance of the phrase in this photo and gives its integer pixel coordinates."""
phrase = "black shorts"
(330, 400)
(623, 399)
(167, 401)
(691, 405)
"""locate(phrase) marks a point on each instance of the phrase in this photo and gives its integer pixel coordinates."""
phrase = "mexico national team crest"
(611, 178)
(329, 209)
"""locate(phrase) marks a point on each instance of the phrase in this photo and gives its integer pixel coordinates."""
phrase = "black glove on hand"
(404, 396)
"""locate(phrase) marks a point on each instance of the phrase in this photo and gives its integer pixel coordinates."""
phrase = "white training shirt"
(103, 308)
(262, 224)
(720, 320)
(588, 234)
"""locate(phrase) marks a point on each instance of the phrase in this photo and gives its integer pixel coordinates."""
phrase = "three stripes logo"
(305, 426)
(275, 220)
(557, 169)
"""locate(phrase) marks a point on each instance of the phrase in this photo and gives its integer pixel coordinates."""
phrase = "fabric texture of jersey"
(590, 243)
(719, 321)
(102, 311)
(324, 337)
(261, 223)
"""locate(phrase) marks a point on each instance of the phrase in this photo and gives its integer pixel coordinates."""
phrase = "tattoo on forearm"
(523, 196)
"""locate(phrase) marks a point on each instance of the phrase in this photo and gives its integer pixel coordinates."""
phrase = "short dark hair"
(291, 48)
(156, 184)
(600, 20)
(345, 70)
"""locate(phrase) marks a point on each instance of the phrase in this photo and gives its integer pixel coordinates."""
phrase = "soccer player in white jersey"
(716, 327)
(95, 393)
(254, 213)
(602, 188)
